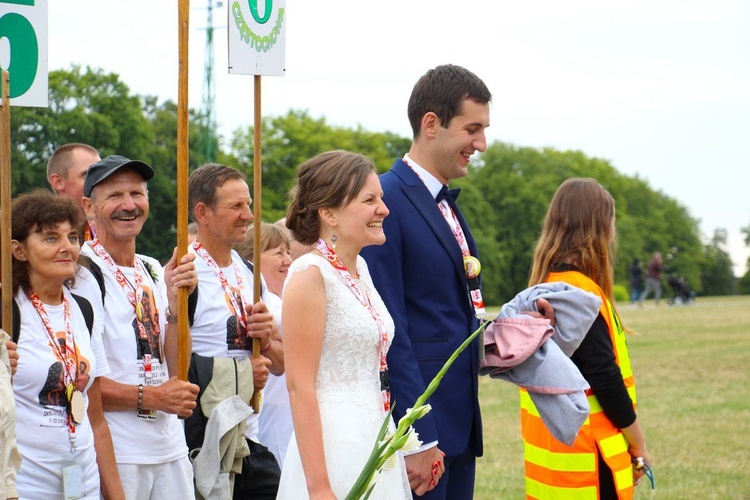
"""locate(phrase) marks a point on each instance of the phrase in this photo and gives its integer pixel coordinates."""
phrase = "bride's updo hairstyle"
(328, 180)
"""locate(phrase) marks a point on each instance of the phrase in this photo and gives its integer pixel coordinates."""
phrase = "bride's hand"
(424, 469)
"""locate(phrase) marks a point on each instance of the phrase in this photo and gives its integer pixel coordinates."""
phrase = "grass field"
(692, 369)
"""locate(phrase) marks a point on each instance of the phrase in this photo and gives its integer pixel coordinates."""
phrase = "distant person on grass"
(653, 279)
(636, 281)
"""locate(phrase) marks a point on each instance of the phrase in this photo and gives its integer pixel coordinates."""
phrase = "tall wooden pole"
(5, 230)
(183, 341)
(258, 217)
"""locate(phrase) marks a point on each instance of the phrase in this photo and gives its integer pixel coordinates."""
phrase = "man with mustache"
(142, 396)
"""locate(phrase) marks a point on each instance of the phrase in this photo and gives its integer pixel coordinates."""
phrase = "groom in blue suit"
(419, 272)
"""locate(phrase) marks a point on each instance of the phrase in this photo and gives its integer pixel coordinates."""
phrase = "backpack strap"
(16, 321)
(192, 304)
(96, 271)
(87, 310)
(250, 266)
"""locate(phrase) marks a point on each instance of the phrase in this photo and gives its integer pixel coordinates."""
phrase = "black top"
(595, 358)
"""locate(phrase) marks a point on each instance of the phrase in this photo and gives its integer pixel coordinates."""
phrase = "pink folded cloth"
(509, 342)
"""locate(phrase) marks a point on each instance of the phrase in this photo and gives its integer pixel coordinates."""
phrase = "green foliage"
(621, 293)
(743, 285)
(287, 141)
(717, 276)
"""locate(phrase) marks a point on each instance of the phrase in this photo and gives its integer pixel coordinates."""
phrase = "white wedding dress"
(348, 390)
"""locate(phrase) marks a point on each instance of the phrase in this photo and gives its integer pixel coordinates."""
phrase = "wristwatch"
(171, 318)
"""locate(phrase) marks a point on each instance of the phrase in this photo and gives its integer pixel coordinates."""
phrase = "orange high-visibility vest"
(554, 470)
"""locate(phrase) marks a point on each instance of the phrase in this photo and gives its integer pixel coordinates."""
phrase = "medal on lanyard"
(472, 268)
(76, 405)
(68, 356)
(135, 297)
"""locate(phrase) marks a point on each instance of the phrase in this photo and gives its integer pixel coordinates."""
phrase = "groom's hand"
(424, 469)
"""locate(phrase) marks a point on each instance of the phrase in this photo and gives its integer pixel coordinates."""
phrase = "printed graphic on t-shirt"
(53, 394)
(150, 320)
(237, 339)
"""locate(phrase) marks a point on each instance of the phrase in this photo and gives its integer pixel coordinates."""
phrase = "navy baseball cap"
(108, 166)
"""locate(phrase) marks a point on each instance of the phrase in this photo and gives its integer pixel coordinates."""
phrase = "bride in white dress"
(336, 333)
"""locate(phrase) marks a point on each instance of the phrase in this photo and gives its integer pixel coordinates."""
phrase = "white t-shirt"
(275, 424)
(39, 390)
(216, 332)
(138, 440)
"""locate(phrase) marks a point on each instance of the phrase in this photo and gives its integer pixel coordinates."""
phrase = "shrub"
(621, 293)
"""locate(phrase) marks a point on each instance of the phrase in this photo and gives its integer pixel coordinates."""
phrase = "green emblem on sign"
(253, 4)
(24, 49)
(259, 43)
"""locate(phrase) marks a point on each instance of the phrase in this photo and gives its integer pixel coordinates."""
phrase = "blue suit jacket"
(419, 273)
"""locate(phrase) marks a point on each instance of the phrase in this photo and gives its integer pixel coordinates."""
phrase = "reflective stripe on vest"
(555, 470)
(535, 489)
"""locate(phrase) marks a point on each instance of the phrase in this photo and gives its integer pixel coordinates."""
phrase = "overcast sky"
(661, 88)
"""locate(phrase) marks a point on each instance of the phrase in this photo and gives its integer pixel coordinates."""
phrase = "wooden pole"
(183, 341)
(258, 218)
(5, 229)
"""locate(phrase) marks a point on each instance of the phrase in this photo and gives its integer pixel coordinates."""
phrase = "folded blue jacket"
(530, 353)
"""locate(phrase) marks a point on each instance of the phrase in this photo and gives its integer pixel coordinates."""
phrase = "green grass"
(692, 369)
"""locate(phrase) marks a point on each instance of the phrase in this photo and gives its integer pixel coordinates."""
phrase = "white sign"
(257, 37)
(23, 50)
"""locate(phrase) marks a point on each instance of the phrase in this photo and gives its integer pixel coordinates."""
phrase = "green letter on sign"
(24, 60)
(253, 4)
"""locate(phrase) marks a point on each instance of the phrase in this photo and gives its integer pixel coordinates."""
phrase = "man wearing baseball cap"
(142, 396)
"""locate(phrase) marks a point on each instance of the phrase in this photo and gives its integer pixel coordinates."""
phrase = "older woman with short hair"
(62, 435)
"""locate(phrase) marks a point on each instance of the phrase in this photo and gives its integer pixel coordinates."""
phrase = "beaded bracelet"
(140, 397)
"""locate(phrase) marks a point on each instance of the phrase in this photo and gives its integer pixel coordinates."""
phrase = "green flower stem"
(382, 452)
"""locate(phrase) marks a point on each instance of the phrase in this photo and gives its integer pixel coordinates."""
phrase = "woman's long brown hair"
(577, 231)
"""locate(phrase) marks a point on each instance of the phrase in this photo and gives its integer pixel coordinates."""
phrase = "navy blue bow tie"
(446, 193)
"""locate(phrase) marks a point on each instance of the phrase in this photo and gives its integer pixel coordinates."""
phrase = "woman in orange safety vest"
(576, 247)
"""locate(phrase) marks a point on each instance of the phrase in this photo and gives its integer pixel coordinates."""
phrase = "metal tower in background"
(208, 112)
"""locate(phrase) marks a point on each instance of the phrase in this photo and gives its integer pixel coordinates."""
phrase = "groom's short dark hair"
(442, 90)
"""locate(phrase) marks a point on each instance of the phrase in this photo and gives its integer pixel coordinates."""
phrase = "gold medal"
(139, 311)
(77, 406)
(472, 267)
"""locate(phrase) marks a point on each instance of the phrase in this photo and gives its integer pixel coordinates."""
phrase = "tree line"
(504, 197)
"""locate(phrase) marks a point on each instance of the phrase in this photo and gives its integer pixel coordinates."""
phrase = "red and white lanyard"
(450, 217)
(135, 296)
(239, 311)
(363, 299)
(67, 356)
